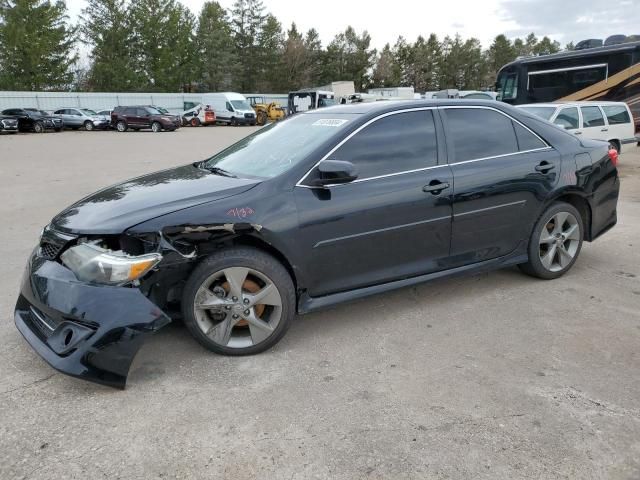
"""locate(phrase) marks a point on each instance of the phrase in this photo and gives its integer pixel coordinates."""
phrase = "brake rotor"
(251, 287)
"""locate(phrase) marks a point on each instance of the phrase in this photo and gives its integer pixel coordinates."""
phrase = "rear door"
(593, 124)
(393, 221)
(502, 173)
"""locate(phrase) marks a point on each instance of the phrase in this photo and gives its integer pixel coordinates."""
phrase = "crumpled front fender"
(92, 332)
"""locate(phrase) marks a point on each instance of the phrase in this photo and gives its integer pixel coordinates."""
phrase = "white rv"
(230, 108)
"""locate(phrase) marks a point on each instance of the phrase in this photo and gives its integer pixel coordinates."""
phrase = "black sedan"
(34, 120)
(324, 207)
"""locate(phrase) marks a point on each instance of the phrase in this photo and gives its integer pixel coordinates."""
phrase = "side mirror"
(335, 172)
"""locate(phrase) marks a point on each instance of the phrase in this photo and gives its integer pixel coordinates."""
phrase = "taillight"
(613, 156)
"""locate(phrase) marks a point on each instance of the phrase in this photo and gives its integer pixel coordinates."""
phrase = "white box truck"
(230, 108)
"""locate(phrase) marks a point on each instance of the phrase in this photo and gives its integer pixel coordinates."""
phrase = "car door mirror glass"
(332, 172)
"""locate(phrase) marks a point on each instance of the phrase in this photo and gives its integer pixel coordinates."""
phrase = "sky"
(562, 20)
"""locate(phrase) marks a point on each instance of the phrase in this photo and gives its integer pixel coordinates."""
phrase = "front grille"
(49, 250)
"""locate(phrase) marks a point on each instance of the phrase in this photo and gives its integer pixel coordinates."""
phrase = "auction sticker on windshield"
(329, 122)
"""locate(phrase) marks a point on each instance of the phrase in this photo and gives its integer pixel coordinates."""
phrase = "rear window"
(617, 114)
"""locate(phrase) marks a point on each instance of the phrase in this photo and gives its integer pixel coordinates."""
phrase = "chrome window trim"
(444, 107)
(348, 137)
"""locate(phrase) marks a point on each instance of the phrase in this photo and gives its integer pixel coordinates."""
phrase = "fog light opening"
(67, 337)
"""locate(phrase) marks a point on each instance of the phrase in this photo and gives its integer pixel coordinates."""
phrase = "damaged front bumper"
(88, 331)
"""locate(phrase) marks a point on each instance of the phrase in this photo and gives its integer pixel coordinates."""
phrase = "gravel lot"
(490, 376)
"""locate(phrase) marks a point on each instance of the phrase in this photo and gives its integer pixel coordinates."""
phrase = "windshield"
(162, 110)
(542, 112)
(240, 105)
(278, 147)
(87, 111)
(506, 86)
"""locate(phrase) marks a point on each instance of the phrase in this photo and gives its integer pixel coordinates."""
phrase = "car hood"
(116, 208)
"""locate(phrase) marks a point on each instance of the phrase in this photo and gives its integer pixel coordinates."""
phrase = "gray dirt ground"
(490, 376)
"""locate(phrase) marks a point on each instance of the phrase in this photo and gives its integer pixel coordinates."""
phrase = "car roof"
(382, 106)
(572, 104)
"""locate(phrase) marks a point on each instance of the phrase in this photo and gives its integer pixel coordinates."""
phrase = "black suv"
(138, 117)
(34, 120)
(349, 201)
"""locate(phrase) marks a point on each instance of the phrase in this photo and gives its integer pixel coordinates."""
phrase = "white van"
(230, 108)
(609, 121)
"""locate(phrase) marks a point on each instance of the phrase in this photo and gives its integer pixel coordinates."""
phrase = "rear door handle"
(545, 167)
(435, 187)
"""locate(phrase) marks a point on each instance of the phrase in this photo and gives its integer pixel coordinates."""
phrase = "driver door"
(390, 223)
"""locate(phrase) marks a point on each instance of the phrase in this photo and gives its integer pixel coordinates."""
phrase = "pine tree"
(215, 48)
(386, 72)
(499, 54)
(107, 30)
(36, 45)
(248, 19)
(269, 64)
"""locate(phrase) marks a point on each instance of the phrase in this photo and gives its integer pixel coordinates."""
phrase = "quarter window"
(526, 139)
(616, 114)
(480, 133)
(568, 118)
(592, 117)
(396, 143)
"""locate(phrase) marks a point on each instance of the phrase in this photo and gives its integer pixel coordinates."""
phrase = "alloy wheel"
(559, 241)
(238, 307)
(155, 127)
(88, 126)
(121, 126)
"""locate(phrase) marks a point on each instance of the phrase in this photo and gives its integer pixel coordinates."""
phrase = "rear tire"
(261, 118)
(555, 242)
(121, 126)
(209, 282)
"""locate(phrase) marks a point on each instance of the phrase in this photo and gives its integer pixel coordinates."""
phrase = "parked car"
(34, 120)
(105, 112)
(139, 117)
(326, 206)
(609, 121)
(8, 124)
(76, 118)
(230, 108)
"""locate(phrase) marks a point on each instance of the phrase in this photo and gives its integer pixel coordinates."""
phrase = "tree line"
(161, 46)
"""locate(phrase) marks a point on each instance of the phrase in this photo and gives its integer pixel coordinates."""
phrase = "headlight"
(91, 263)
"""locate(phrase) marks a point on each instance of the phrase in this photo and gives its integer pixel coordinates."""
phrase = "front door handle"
(604, 129)
(577, 133)
(435, 187)
(545, 167)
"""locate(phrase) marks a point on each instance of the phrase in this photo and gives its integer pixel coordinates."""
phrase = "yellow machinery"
(265, 112)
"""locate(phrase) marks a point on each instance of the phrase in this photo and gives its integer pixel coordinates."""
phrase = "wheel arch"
(579, 201)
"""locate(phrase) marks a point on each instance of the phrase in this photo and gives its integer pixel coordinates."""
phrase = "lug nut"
(235, 299)
(235, 316)
(246, 312)
(246, 301)
(227, 307)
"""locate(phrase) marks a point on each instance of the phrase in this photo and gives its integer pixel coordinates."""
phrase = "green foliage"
(216, 57)
(36, 45)
(106, 28)
(159, 45)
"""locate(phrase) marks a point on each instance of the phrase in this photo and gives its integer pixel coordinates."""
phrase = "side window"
(591, 117)
(129, 111)
(616, 114)
(59, 112)
(568, 118)
(480, 133)
(142, 112)
(526, 139)
(395, 143)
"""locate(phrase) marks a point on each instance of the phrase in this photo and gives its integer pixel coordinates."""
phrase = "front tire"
(239, 301)
(121, 126)
(555, 242)
(88, 125)
(195, 122)
(156, 127)
(38, 127)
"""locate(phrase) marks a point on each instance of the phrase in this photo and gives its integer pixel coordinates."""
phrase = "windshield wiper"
(219, 171)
